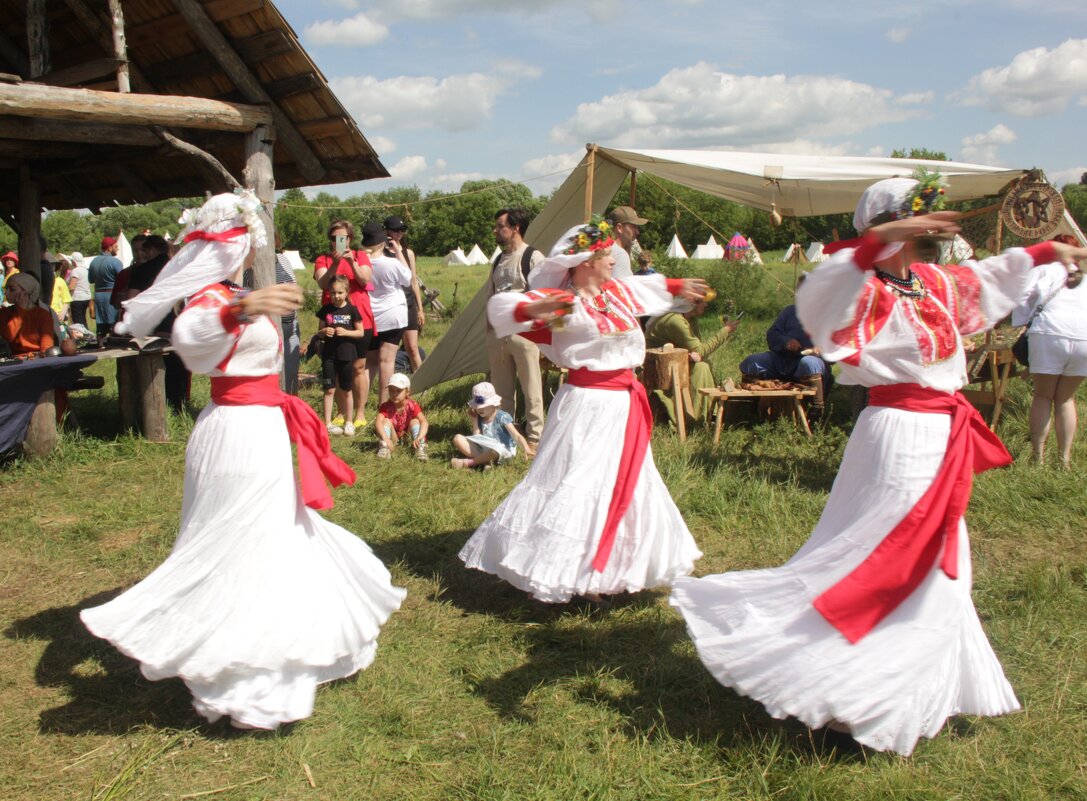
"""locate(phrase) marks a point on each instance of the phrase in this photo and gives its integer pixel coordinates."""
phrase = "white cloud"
(455, 103)
(549, 165)
(898, 34)
(981, 148)
(701, 106)
(1069, 175)
(382, 144)
(357, 31)
(916, 98)
(453, 180)
(1035, 83)
(408, 168)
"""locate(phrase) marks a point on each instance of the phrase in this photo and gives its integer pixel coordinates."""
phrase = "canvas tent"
(737, 247)
(495, 253)
(295, 260)
(476, 256)
(814, 253)
(675, 248)
(710, 250)
(752, 256)
(799, 186)
(455, 257)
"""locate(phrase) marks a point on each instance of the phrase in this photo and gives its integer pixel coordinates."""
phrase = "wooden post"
(259, 177)
(120, 49)
(30, 222)
(37, 38)
(590, 166)
(41, 436)
(151, 396)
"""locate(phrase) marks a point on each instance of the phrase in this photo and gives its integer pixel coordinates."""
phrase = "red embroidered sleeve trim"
(519, 313)
(229, 319)
(673, 285)
(1042, 253)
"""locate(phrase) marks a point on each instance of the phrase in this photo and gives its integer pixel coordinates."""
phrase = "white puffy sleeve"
(648, 295)
(206, 331)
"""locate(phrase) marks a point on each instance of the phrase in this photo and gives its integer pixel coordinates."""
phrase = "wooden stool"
(788, 398)
(668, 370)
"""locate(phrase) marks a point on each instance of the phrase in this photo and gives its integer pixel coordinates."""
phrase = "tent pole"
(591, 166)
(633, 187)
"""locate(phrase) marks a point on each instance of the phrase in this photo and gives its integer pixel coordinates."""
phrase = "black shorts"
(392, 337)
(413, 310)
(363, 343)
(334, 371)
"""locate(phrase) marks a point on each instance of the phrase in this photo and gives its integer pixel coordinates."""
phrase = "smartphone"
(341, 243)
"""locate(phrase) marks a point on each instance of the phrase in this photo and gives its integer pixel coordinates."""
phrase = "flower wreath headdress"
(595, 235)
(197, 223)
(928, 195)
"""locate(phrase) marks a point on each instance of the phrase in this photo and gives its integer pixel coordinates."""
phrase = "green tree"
(1075, 200)
(922, 153)
(300, 227)
(65, 231)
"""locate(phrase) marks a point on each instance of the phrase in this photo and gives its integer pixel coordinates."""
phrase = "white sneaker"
(349, 429)
(383, 452)
(420, 452)
(334, 429)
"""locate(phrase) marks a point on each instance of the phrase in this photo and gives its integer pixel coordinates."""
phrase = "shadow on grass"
(635, 661)
(630, 655)
(107, 693)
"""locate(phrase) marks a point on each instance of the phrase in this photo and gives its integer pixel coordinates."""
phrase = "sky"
(454, 90)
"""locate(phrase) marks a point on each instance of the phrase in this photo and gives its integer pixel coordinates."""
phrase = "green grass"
(478, 692)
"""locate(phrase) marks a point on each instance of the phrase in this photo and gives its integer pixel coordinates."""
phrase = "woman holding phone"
(354, 265)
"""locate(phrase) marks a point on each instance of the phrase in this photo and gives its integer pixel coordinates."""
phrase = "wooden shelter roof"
(241, 52)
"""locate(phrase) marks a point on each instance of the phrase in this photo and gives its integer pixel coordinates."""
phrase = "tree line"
(440, 222)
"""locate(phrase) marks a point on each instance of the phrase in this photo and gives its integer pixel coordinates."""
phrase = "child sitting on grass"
(341, 328)
(400, 415)
(494, 437)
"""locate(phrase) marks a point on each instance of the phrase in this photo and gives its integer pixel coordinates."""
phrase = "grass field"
(478, 692)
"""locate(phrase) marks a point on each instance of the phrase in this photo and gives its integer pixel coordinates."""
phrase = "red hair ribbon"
(224, 236)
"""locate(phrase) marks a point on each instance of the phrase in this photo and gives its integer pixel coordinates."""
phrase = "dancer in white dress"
(261, 599)
(870, 627)
(592, 516)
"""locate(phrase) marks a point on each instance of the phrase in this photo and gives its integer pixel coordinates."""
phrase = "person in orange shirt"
(24, 325)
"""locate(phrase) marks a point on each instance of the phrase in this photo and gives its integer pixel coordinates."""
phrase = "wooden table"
(1001, 367)
(719, 397)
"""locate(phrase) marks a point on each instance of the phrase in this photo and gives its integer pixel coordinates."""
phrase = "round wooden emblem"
(1032, 210)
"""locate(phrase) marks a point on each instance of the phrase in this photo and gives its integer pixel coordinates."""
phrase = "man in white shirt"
(627, 225)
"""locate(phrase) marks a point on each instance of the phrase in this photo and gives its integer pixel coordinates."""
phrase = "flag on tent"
(475, 256)
(456, 257)
(815, 253)
(736, 248)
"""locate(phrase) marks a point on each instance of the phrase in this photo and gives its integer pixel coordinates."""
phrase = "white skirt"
(757, 631)
(543, 537)
(261, 598)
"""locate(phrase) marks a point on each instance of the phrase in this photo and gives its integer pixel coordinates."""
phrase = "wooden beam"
(168, 25)
(32, 150)
(260, 178)
(84, 105)
(81, 73)
(140, 189)
(100, 32)
(238, 71)
(120, 48)
(323, 128)
(295, 85)
(30, 220)
(37, 38)
(84, 133)
(202, 63)
(205, 159)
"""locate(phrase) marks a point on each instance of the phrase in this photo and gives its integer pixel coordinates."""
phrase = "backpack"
(526, 262)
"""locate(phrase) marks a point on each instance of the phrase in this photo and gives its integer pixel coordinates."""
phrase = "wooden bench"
(791, 398)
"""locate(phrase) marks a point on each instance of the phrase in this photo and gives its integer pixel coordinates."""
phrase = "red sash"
(316, 461)
(635, 444)
(906, 555)
(222, 236)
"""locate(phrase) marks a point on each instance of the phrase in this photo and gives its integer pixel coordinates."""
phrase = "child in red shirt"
(399, 416)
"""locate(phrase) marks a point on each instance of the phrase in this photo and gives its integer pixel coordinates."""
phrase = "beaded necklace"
(908, 287)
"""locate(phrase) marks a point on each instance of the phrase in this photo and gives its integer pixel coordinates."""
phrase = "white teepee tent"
(495, 253)
(815, 254)
(710, 250)
(456, 257)
(675, 248)
(124, 250)
(752, 255)
(476, 256)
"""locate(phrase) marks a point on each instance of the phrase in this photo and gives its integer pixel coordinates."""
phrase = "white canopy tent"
(799, 186)
(476, 256)
(455, 257)
(675, 248)
(294, 259)
(710, 250)
(814, 253)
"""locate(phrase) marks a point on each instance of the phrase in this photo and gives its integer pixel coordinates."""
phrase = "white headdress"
(218, 236)
(554, 271)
